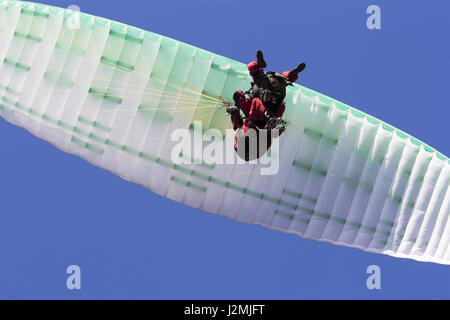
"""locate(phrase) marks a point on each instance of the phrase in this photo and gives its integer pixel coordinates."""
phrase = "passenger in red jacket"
(266, 97)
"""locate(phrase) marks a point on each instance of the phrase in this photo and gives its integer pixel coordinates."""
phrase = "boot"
(297, 70)
(260, 58)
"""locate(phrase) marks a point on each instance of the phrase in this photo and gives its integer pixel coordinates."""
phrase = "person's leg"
(260, 59)
(293, 74)
(281, 110)
(235, 116)
(257, 110)
(256, 66)
(236, 120)
(241, 103)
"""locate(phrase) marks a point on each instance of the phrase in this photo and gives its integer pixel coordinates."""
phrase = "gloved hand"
(231, 108)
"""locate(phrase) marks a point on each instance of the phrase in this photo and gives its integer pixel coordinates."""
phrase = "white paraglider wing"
(113, 95)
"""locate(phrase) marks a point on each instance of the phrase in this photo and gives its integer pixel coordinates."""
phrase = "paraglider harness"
(270, 88)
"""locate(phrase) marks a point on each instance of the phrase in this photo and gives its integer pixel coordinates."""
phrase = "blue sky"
(58, 210)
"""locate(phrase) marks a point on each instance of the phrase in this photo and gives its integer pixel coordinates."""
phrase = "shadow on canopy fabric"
(113, 94)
